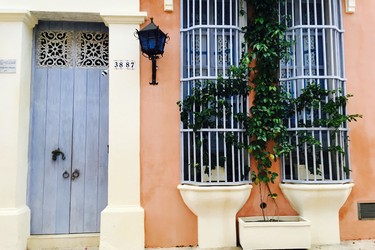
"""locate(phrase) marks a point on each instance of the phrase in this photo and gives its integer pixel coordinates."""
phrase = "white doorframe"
(14, 127)
(122, 225)
(123, 219)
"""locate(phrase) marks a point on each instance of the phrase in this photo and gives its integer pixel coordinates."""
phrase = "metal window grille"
(316, 57)
(211, 42)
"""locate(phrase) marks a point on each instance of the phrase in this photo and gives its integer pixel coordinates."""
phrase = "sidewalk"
(349, 245)
(345, 245)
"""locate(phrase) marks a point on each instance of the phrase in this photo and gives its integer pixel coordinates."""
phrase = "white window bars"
(211, 42)
(316, 57)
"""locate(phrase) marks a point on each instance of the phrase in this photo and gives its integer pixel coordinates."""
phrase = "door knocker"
(75, 174)
(65, 175)
(56, 153)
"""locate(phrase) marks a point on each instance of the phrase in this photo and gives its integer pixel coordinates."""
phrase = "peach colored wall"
(360, 72)
(251, 208)
(168, 222)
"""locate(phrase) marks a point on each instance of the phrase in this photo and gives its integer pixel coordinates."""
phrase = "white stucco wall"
(14, 127)
(93, 6)
(123, 219)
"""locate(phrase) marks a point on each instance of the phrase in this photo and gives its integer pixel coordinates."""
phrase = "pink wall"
(168, 221)
(360, 72)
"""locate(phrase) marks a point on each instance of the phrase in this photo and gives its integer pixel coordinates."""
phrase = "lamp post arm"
(153, 59)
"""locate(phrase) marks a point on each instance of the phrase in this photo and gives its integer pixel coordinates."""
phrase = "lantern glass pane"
(151, 43)
(144, 44)
(160, 45)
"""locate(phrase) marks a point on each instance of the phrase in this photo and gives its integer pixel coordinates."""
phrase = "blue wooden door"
(67, 187)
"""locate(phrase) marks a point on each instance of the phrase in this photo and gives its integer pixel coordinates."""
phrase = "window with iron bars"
(211, 42)
(316, 57)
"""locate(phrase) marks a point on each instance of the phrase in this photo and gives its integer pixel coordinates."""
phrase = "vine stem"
(261, 201)
(273, 200)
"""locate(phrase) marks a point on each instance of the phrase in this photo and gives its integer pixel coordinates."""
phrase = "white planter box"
(291, 232)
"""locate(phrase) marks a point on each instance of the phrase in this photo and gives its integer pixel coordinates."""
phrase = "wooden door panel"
(37, 149)
(65, 142)
(51, 119)
(69, 112)
(50, 192)
(92, 152)
(103, 146)
(79, 153)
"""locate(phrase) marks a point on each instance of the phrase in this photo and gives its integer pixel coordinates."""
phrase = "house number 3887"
(124, 64)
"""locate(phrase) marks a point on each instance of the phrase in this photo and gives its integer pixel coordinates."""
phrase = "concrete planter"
(216, 208)
(290, 232)
(320, 204)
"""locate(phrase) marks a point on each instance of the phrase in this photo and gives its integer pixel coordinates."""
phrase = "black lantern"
(152, 41)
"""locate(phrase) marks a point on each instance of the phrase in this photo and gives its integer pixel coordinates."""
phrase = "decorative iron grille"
(211, 42)
(92, 49)
(316, 57)
(55, 49)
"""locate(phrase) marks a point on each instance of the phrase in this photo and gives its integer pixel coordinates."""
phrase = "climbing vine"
(263, 123)
(257, 76)
(265, 36)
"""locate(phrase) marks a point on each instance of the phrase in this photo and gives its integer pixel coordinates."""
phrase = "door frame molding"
(122, 221)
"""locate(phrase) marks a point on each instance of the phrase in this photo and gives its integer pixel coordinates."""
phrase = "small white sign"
(7, 65)
(124, 64)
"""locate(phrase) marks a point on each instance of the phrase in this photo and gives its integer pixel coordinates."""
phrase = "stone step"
(64, 242)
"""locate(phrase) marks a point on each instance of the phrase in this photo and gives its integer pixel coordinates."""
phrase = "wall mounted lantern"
(152, 41)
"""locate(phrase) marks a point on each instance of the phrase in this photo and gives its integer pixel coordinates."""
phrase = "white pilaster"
(15, 46)
(122, 221)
